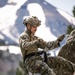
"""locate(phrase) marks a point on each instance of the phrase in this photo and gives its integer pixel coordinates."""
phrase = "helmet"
(32, 20)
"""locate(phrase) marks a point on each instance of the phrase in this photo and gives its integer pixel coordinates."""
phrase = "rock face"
(68, 50)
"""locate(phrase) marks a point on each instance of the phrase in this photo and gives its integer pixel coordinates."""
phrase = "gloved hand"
(39, 39)
(60, 38)
(36, 42)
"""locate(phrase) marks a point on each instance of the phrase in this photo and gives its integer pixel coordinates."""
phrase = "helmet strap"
(29, 31)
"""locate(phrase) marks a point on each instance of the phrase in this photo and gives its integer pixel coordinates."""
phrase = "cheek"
(34, 29)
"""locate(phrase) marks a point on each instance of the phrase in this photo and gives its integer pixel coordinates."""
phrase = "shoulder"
(23, 35)
(37, 37)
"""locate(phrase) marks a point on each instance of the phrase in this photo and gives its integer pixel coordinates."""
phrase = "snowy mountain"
(12, 12)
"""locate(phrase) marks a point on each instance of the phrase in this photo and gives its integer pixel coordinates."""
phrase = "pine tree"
(20, 70)
(69, 29)
(73, 11)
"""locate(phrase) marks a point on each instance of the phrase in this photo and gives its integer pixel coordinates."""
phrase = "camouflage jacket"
(27, 43)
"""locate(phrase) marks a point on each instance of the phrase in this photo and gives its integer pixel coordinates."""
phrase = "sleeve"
(53, 44)
(25, 43)
(50, 45)
(42, 44)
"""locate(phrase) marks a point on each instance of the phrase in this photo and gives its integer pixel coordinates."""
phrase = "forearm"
(53, 44)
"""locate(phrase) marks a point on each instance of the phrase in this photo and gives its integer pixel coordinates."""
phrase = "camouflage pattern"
(36, 65)
(31, 44)
(68, 50)
(61, 66)
(32, 20)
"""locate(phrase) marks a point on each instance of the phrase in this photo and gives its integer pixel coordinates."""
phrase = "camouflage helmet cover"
(32, 20)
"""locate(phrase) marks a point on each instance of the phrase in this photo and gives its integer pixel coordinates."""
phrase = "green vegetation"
(69, 29)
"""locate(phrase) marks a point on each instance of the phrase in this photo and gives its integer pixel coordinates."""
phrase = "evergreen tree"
(18, 72)
(73, 11)
(69, 29)
(22, 69)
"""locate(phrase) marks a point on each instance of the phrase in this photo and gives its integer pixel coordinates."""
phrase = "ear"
(28, 26)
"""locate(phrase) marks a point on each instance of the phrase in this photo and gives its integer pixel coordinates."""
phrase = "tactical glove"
(39, 39)
(60, 38)
(36, 42)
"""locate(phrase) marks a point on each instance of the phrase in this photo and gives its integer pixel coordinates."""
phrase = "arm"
(56, 43)
(25, 42)
(52, 44)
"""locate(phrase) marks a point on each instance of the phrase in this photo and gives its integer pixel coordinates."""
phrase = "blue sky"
(66, 5)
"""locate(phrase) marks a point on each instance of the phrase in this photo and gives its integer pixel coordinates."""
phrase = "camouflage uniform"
(30, 44)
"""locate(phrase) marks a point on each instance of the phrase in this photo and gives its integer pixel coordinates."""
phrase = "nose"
(35, 29)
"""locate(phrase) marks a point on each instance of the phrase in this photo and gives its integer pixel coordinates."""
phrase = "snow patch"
(67, 16)
(42, 31)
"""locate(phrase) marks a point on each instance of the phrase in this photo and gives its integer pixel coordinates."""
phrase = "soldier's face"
(32, 28)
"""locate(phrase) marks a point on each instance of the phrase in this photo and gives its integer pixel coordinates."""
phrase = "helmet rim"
(32, 20)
